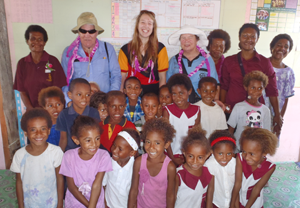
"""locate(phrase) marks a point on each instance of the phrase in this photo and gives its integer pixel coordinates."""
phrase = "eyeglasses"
(89, 31)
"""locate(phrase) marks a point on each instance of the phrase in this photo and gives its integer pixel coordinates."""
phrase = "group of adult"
(146, 58)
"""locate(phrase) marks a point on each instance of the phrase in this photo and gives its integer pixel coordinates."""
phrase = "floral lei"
(75, 56)
(199, 66)
(138, 68)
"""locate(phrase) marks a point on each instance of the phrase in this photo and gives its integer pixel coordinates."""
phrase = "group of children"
(154, 151)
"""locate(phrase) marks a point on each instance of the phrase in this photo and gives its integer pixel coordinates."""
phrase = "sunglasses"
(89, 31)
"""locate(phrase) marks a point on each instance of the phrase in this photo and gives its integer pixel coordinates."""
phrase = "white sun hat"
(188, 29)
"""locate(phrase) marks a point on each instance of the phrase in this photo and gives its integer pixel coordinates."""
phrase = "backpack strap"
(106, 51)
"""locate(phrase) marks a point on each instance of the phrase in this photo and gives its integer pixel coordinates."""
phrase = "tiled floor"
(289, 148)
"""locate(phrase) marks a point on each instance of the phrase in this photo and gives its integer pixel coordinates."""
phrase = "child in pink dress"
(153, 178)
(253, 169)
(85, 166)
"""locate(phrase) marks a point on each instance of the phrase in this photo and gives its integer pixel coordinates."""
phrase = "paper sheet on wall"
(123, 13)
(167, 12)
(275, 15)
(201, 13)
(31, 11)
(163, 35)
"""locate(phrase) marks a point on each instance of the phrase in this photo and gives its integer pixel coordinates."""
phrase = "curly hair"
(77, 81)
(160, 125)
(36, 28)
(264, 137)
(134, 134)
(256, 75)
(179, 79)
(196, 135)
(222, 133)
(207, 79)
(114, 93)
(218, 33)
(84, 123)
(35, 113)
(279, 37)
(152, 45)
(98, 98)
(51, 92)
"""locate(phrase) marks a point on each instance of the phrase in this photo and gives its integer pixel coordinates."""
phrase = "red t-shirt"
(232, 78)
(31, 77)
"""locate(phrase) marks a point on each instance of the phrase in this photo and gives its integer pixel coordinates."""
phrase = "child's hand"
(227, 109)
(179, 160)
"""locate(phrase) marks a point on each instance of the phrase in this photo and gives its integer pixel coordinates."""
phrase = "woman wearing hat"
(89, 58)
(192, 59)
(38, 70)
(144, 57)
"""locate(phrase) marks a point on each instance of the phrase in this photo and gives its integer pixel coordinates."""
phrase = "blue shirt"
(174, 69)
(66, 120)
(137, 111)
(54, 136)
(104, 70)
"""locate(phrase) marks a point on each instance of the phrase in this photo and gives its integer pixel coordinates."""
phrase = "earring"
(249, 97)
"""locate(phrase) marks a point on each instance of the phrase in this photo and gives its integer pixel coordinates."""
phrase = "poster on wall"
(275, 15)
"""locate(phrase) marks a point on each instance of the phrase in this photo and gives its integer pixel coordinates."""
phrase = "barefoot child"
(250, 112)
(194, 183)
(36, 165)
(221, 164)
(165, 98)
(253, 169)
(153, 179)
(118, 181)
(181, 114)
(52, 99)
(85, 166)
(98, 101)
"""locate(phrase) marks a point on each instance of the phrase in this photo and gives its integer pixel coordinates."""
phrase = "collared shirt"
(138, 112)
(232, 78)
(31, 77)
(190, 67)
(224, 180)
(118, 183)
(105, 71)
(66, 120)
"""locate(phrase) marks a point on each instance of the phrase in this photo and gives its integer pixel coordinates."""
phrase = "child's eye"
(50, 106)
(98, 138)
(157, 143)
(58, 104)
(229, 154)
(87, 95)
(200, 157)
(220, 153)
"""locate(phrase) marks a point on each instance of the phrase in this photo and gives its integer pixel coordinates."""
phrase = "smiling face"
(248, 39)
(180, 96)
(36, 42)
(217, 48)
(188, 42)
(88, 40)
(281, 49)
(80, 96)
(155, 145)
(208, 93)
(252, 153)
(37, 131)
(102, 109)
(132, 89)
(150, 106)
(116, 106)
(89, 141)
(121, 151)
(145, 26)
(255, 89)
(223, 152)
(54, 106)
(195, 156)
(165, 97)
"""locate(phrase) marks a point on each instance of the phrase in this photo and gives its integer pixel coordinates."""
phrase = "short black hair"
(218, 33)
(134, 134)
(162, 87)
(196, 135)
(114, 93)
(35, 113)
(150, 94)
(222, 133)
(279, 37)
(98, 98)
(51, 92)
(36, 28)
(207, 79)
(179, 79)
(77, 81)
(83, 123)
(160, 125)
(131, 78)
(249, 25)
